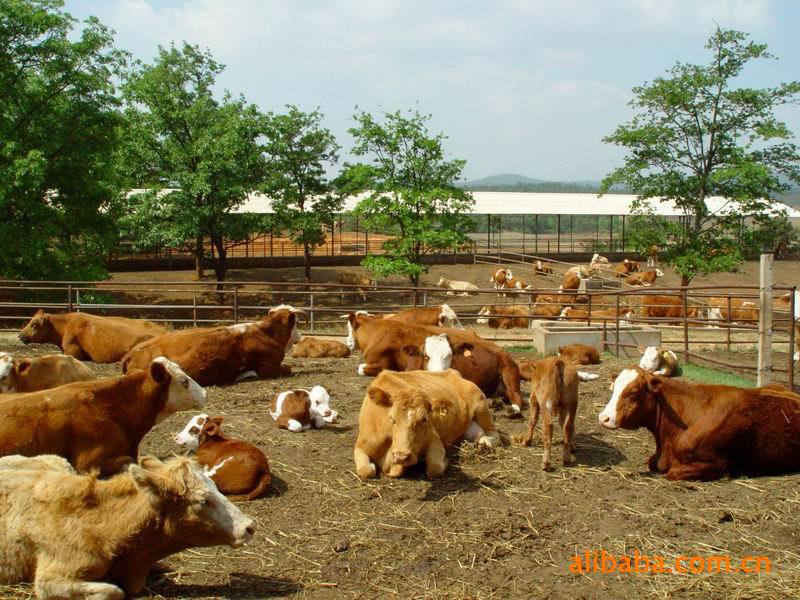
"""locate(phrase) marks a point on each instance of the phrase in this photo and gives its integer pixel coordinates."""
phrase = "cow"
(220, 355)
(568, 313)
(417, 415)
(349, 280)
(456, 288)
(400, 347)
(549, 306)
(96, 424)
(88, 337)
(626, 267)
(238, 469)
(299, 410)
(77, 536)
(580, 354)
(528, 366)
(644, 278)
(554, 393)
(310, 347)
(652, 256)
(740, 310)
(541, 268)
(660, 361)
(703, 432)
(499, 276)
(571, 281)
(439, 316)
(514, 283)
(665, 308)
(504, 317)
(20, 375)
(598, 260)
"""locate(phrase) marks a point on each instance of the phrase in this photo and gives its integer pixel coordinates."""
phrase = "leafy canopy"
(59, 129)
(696, 135)
(410, 189)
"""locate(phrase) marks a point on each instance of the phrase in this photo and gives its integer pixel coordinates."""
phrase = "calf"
(456, 288)
(554, 392)
(658, 360)
(665, 309)
(348, 280)
(310, 347)
(498, 278)
(514, 283)
(20, 375)
(96, 424)
(239, 470)
(740, 310)
(438, 316)
(417, 415)
(580, 354)
(572, 281)
(644, 278)
(540, 268)
(706, 431)
(88, 337)
(504, 317)
(626, 267)
(76, 536)
(298, 410)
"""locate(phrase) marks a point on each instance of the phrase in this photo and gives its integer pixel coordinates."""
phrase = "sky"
(527, 87)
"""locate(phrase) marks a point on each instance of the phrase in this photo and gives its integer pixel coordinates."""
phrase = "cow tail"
(124, 363)
(559, 374)
(263, 484)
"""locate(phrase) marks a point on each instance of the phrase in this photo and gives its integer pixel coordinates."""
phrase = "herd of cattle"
(69, 441)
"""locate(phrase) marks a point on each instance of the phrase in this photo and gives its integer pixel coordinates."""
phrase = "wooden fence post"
(765, 322)
(792, 310)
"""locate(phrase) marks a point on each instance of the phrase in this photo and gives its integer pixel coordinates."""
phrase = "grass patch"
(520, 349)
(698, 374)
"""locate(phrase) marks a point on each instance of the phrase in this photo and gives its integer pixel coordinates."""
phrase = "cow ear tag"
(442, 412)
(467, 353)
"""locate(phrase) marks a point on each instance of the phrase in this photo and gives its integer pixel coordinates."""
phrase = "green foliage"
(696, 136)
(697, 374)
(59, 128)
(410, 185)
(179, 136)
(298, 150)
(773, 234)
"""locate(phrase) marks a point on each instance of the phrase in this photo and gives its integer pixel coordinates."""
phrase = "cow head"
(283, 324)
(6, 372)
(632, 400)
(651, 358)
(565, 312)
(184, 392)
(448, 318)
(484, 314)
(354, 321)
(410, 419)
(320, 400)
(190, 507)
(438, 351)
(190, 435)
(38, 329)
(443, 282)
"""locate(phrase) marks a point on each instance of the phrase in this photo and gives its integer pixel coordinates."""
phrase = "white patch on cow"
(224, 514)
(714, 314)
(797, 356)
(515, 408)
(6, 366)
(189, 438)
(240, 328)
(440, 354)
(549, 405)
(608, 416)
(474, 432)
(586, 376)
(659, 273)
(279, 406)
(213, 470)
(797, 306)
(320, 405)
(361, 368)
(184, 392)
(650, 359)
(483, 318)
(351, 337)
(565, 312)
(448, 318)
(294, 426)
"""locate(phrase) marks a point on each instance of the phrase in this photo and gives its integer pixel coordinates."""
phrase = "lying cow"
(598, 260)
(569, 313)
(707, 431)
(499, 276)
(364, 283)
(97, 424)
(541, 268)
(408, 417)
(310, 347)
(220, 355)
(456, 288)
(660, 361)
(239, 470)
(554, 393)
(439, 316)
(19, 375)
(299, 410)
(644, 278)
(580, 354)
(76, 536)
(571, 281)
(88, 337)
(666, 309)
(626, 267)
(504, 317)
(740, 310)
(400, 347)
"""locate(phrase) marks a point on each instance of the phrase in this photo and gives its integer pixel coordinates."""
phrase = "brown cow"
(664, 308)
(220, 355)
(644, 278)
(571, 281)
(580, 354)
(77, 536)
(504, 317)
(400, 347)
(406, 417)
(96, 424)
(239, 470)
(438, 316)
(581, 314)
(499, 276)
(515, 283)
(626, 267)
(706, 431)
(310, 347)
(541, 268)
(19, 375)
(349, 280)
(740, 310)
(554, 392)
(88, 337)
(299, 410)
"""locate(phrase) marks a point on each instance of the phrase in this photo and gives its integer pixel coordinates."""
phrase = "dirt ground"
(494, 526)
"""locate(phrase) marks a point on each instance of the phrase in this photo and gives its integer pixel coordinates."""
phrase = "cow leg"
(57, 587)
(702, 471)
(71, 347)
(267, 371)
(483, 425)
(511, 387)
(547, 438)
(525, 440)
(370, 369)
(365, 468)
(435, 459)
(568, 426)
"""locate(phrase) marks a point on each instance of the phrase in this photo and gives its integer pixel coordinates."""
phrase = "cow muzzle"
(23, 339)
(403, 459)
(607, 421)
(243, 533)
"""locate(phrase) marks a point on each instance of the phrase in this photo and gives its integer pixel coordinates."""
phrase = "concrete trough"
(549, 336)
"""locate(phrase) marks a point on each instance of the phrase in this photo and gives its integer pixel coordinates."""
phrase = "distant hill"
(503, 179)
(508, 182)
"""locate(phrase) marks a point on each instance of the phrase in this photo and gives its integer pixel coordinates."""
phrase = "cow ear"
(653, 384)
(378, 396)
(22, 366)
(291, 319)
(147, 479)
(218, 420)
(159, 373)
(211, 426)
(641, 349)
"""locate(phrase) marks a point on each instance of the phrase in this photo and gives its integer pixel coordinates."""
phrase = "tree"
(58, 133)
(298, 150)
(410, 189)
(697, 136)
(206, 153)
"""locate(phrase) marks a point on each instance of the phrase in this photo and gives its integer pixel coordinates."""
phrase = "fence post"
(78, 300)
(425, 298)
(685, 326)
(311, 310)
(616, 341)
(69, 298)
(729, 323)
(765, 322)
(792, 339)
(194, 309)
(235, 304)
(589, 312)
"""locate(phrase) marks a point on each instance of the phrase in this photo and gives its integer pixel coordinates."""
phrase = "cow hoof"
(368, 473)
(361, 368)
(514, 412)
(487, 442)
(520, 440)
(547, 467)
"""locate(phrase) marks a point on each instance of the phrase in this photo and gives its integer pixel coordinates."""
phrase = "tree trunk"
(307, 262)
(685, 280)
(220, 264)
(198, 259)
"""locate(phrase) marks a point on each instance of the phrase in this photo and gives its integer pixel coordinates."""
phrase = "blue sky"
(528, 87)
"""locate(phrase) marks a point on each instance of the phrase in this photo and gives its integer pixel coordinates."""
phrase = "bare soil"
(494, 525)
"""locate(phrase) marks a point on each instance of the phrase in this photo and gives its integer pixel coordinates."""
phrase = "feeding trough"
(549, 336)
